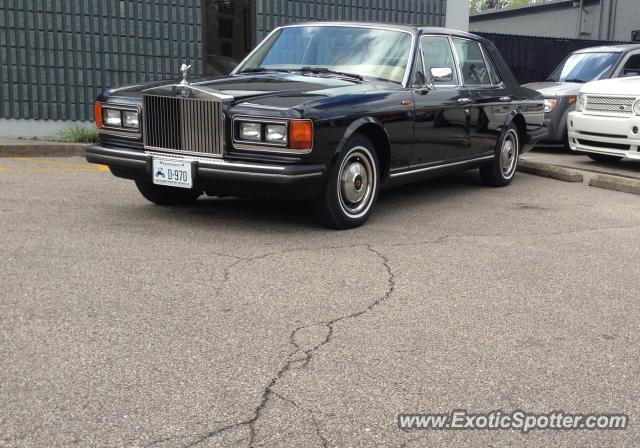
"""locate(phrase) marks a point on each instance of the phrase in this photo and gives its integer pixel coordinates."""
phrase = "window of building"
(228, 34)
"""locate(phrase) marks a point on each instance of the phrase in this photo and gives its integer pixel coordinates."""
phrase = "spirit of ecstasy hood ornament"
(185, 74)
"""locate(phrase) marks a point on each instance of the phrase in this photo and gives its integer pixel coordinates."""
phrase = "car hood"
(617, 86)
(553, 88)
(280, 90)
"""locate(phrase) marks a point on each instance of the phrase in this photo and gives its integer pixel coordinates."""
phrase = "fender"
(512, 115)
(353, 128)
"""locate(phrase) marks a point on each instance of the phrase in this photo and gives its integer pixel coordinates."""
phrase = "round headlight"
(636, 107)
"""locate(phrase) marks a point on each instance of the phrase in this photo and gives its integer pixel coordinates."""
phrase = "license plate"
(173, 173)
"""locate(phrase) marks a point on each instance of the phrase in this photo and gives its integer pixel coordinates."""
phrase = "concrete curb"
(42, 149)
(623, 184)
(552, 171)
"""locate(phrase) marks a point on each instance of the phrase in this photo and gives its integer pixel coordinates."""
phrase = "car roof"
(622, 48)
(394, 26)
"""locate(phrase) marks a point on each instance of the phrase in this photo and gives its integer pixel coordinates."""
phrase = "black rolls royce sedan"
(329, 112)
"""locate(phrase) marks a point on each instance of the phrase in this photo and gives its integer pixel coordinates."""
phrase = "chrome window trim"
(453, 54)
(122, 131)
(457, 59)
(250, 145)
(488, 61)
(413, 69)
(411, 57)
(485, 62)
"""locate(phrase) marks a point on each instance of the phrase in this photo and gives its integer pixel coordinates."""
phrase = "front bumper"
(605, 135)
(219, 176)
(533, 137)
(556, 123)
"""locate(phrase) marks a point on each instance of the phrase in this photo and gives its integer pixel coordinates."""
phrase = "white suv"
(606, 120)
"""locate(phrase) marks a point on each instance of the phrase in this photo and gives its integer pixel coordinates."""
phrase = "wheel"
(161, 195)
(352, 186)
(603, 157)
(502, 168)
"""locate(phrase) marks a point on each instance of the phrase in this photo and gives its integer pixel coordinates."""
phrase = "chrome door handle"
(464, 100)
(505, 99)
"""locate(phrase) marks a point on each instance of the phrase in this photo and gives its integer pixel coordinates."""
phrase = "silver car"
(561, 88)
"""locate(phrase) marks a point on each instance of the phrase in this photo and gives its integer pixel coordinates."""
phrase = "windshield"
(584, 67)
(325, 50)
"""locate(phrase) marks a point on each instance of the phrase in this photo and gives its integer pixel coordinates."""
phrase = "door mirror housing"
(442, 74)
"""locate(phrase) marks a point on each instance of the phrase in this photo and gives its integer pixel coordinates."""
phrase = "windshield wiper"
(324, 70)
(261, 70)
(581, 81)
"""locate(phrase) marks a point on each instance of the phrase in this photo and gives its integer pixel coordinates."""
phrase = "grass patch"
(77, 134)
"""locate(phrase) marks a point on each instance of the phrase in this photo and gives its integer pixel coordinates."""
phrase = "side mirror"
(442, 74)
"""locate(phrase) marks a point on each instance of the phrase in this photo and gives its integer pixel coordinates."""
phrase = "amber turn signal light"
(300, 134)
(97, 112)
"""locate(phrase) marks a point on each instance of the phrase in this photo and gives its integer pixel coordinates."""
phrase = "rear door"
(441, 119)
(490, 98)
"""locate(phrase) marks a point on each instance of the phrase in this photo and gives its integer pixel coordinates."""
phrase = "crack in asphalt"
(229, 267)
(239, 260)
(312, 413)
(307, 355)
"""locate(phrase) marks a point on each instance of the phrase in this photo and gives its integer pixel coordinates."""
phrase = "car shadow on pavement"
(266, 212)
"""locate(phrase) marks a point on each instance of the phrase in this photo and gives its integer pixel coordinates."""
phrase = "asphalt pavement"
(242, 323)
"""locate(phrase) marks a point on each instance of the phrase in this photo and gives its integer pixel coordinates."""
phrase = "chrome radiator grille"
(619, 106)
(183, 125)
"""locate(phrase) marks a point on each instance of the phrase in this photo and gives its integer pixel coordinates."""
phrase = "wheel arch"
(374, 130)
(517, 119)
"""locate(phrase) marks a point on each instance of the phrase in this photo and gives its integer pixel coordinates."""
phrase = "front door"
(441, 112)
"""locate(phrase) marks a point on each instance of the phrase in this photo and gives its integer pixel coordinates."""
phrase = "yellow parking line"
(49, 170)
(45, 161)
(57, 165)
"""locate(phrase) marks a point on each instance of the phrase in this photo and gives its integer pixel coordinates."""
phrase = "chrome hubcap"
(356, 182)
(509, 154)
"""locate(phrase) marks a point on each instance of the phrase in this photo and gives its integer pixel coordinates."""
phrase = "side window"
(419, 78)
(632, 66)
(437, 55)
(493, 72)
(472, 65)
